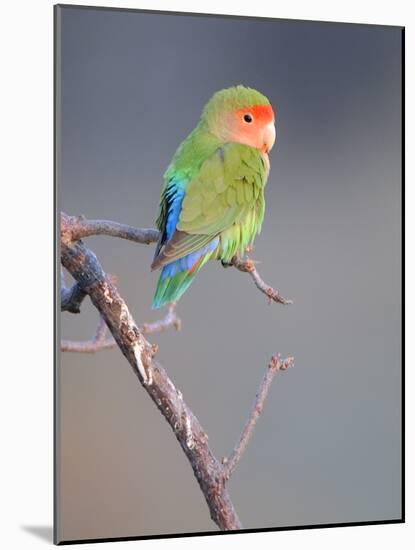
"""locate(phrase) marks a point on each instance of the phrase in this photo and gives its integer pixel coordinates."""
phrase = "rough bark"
(91, 280)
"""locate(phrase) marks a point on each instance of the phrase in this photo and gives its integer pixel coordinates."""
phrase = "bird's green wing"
(227, 186)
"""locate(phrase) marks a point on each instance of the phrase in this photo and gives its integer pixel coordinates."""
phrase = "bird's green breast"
(246, 188)
(224, 190)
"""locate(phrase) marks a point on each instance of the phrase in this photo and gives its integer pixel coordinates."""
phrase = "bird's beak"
(269, 136)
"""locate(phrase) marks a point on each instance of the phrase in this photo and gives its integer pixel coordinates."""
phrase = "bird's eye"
(248, 118)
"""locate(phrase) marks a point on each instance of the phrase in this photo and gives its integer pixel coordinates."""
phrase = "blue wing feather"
(175, 195)
(172, 200)
(169, 288)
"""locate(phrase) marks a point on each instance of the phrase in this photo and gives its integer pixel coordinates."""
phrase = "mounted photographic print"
(229, 256)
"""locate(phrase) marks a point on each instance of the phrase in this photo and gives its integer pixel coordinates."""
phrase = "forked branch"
(248, 266)
(276, 364)
(211, 474)
(102, 342)
(78, 227)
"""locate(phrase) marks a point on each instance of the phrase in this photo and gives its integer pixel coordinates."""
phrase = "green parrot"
(212, 203)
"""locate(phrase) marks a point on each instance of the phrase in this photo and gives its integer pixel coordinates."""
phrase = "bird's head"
(241, 115)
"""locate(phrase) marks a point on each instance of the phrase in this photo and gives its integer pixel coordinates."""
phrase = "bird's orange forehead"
(261, 113)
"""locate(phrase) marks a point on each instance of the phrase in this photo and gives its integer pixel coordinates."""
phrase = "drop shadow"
(44, 532)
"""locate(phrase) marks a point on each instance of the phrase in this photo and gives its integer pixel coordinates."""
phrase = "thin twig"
(275, 365)
(170, 320)
(248, 266)
(89, 346)
(100, 343)
(97, 343)
(101, 331)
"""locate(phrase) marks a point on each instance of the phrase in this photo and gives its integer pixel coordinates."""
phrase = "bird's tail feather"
(171, 288)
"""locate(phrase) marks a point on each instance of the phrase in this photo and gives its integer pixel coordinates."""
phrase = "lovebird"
(212, 204)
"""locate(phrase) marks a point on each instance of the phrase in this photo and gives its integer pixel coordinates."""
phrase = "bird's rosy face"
(254, 126)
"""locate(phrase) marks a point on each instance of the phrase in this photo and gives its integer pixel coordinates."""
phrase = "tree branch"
(86, 270)
(80, 227)
(71, 298)
(275, 365)
(248, 266)
(90, 278)
(100, 343)
(97, 343)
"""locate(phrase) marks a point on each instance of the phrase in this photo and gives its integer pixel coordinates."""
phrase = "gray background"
(327, 447)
